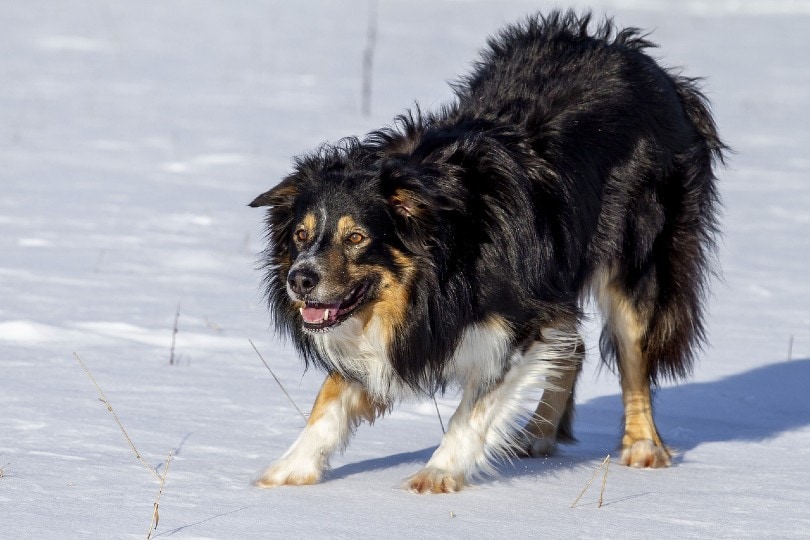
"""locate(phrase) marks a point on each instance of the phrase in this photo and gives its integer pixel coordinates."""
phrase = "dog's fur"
(457, 248)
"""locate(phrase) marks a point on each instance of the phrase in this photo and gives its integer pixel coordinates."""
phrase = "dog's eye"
(301, 235)
(356, 238)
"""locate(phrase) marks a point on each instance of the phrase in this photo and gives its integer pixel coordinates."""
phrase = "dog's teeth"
(326, 315)
(301, 311)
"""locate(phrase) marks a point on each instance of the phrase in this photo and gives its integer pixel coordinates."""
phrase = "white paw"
(434, 480)
(645, 453)
(289, 471)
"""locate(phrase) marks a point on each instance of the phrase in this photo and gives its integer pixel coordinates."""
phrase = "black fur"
(566, 152)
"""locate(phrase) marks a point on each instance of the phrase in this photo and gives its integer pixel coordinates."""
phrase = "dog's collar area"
(322, 317)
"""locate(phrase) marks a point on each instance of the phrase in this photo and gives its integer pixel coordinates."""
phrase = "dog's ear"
(402, 188)
(407, 204)
(411, 201)
(281, 210)
(281, 195)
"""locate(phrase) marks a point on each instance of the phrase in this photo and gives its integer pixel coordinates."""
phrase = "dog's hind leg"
(552, 421)
(339, 408)
(653, 294)
(625, 331)
(641, 444)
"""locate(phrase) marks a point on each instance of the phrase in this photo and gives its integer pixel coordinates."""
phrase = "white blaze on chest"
(360, 352)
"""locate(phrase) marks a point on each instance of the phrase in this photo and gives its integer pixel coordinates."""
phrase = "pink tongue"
(317, 315)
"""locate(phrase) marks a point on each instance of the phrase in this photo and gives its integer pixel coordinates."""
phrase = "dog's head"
(391, 230)
(338, 242)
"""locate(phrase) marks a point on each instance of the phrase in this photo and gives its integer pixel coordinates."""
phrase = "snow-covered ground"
(133, 134)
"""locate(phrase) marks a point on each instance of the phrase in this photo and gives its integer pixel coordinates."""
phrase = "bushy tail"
(696, 106)
(686, 248)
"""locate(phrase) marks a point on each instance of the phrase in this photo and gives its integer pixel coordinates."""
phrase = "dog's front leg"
(465, 448)
(485, 425)
(339, 408)
(482, 429)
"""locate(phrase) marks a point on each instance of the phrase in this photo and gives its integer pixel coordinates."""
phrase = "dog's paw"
(434, 480)
(541, 447)
(646, 454)
(288, 472)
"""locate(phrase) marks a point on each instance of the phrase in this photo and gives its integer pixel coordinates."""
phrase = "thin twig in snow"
(604, 482)
(436, 403)
(161, 478)
(174, 334)
(104, 400)
(604, 463)
(156, 514)
(368, 57)
(278, 382)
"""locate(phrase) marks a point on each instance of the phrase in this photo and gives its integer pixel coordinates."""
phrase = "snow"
(133, 134)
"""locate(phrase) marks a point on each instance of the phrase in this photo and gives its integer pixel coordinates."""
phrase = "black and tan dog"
(457, 247)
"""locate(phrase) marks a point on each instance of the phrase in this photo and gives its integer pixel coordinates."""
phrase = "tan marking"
(310, 222)
(357, 407)
(391, 305)
(286, 189)
(546, 418)
(345, 226)
(334, 258)
(497, 325)
(639, 425)
(404, 203)
(400, 259)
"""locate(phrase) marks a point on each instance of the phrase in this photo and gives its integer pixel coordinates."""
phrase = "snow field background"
(132, 136)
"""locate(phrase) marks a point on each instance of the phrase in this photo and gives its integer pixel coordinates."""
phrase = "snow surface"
(133, 134)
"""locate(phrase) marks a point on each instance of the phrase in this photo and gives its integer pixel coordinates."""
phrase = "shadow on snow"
(751, 406)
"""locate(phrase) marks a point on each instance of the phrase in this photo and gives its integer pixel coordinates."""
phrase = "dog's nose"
(303, 280)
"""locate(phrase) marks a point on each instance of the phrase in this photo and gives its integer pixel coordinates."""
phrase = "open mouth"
(320, 317)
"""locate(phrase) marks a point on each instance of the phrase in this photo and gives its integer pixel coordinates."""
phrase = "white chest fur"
(360, 352)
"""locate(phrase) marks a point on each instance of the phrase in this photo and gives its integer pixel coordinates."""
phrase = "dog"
(456, 248)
